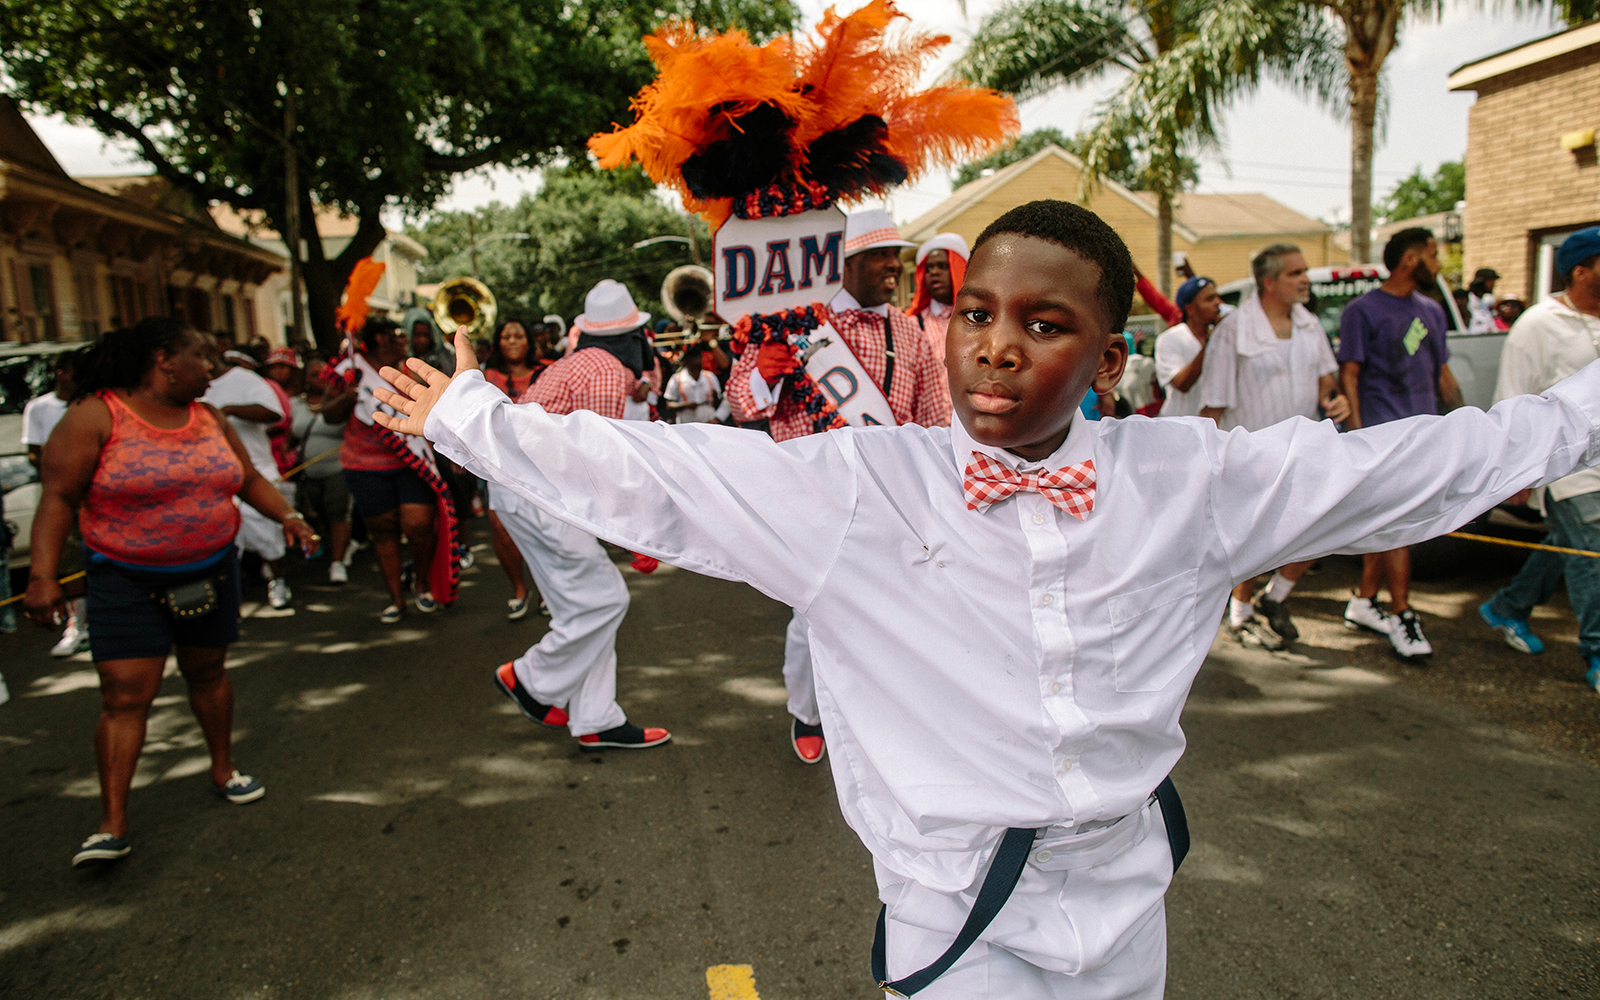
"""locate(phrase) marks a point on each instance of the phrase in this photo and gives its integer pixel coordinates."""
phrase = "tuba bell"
(464, 303)
(686, 293)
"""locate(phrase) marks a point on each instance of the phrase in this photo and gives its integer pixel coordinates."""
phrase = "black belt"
(998, 884)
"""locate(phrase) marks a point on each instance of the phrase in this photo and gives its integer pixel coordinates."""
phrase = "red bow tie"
(1071, 488)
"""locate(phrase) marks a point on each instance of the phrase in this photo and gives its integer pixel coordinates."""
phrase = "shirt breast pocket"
(1152, 632)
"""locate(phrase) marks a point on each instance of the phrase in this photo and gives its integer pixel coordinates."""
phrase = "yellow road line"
(732, 982)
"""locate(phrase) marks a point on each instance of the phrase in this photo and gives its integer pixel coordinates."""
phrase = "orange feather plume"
(352, 313)
(830, 87)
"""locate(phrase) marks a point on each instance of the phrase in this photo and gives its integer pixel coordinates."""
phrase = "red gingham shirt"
(919, 394)
(590, 379)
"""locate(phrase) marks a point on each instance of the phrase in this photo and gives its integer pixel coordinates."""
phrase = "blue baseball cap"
(1188, 290)
(1576, 249)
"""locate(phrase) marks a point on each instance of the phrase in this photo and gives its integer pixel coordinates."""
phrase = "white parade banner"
(842, 379)
(767, 265)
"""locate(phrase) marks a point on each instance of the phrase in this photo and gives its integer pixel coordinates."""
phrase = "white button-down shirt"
(1015, 667)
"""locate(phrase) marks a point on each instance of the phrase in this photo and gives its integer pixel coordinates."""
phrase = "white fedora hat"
(870, 230)
(608, 309)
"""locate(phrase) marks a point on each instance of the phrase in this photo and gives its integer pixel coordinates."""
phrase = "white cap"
(608, 309)
(951, 242)
(870, 230)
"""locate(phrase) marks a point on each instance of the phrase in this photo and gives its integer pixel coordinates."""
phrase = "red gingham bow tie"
(1071, 487)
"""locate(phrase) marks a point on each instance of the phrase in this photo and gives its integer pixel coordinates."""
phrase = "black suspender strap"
(1004, 871)
(1177, 823)
(888, 355)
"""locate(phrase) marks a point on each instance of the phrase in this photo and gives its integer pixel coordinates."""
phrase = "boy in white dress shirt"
(1004, 630)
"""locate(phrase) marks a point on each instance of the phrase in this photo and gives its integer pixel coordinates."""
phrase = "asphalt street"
(1357, 833)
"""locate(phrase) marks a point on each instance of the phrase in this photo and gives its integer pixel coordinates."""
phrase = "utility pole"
(472, 243)
(291, 215)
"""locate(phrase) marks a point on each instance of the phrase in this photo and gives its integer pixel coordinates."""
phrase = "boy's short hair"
(1399, 243)
(1085, 234)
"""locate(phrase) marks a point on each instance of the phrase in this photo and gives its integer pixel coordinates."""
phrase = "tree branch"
(445, 163)
(111, 124)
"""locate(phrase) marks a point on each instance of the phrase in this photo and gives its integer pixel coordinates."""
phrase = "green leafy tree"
(1181, 62)
(390, 99)
(1421, 195)
(583, 224)
(1124, 169)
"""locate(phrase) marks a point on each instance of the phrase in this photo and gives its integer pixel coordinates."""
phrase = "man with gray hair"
(1267, 361)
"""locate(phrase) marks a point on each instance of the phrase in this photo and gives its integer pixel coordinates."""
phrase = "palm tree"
(1183, 61)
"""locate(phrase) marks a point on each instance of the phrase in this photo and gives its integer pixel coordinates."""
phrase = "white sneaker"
(74, 639)
(337, 573)
(5, 692)
(278, 593)
(351, 550)
(1256, 633)
(1407, 638)
(1363, 612)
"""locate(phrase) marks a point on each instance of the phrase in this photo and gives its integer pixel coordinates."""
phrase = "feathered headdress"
(785, 127)
(352, 313)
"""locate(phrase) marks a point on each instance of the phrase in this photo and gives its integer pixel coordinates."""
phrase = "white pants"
(575, 665)
(797, 671)
(259, 533)
(1086, 921)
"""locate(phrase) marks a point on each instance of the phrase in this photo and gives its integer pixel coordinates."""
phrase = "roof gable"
(20, 144)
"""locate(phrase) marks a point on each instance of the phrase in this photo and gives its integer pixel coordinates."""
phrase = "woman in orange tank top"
(153, 473)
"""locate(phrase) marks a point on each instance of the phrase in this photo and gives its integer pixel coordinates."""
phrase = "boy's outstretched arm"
(718, 500)
(1299, 489)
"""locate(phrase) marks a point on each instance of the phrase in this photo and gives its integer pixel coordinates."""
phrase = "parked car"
(1474, 357)
(26, 371)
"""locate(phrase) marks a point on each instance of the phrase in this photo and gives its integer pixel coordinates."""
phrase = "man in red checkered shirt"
(570, 677)
(900, 362)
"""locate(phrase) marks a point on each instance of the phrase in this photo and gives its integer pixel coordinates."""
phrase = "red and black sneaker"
(505, 678)
(807, 740)
(626, 737)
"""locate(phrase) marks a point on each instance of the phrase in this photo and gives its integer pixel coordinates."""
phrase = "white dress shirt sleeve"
(1171, 357)
(721, 501)
(763, 394)
(1521, 362)
(1300, 489)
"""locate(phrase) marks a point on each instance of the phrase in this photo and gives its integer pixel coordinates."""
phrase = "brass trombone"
(464, 303)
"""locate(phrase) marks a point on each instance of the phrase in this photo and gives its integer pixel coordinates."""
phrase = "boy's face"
(1027, 342)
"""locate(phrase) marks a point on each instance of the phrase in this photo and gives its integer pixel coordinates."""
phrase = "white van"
(1474, 357)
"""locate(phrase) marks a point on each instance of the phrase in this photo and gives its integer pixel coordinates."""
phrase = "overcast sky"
(1275, 142)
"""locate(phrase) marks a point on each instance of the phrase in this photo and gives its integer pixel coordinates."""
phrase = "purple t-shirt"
(1400, 345)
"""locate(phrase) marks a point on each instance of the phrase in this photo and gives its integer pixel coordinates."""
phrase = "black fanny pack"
(1004, 871)
(185, 601)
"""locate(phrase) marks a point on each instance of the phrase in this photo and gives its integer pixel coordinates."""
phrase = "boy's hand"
(1337, 408)
(415, 398)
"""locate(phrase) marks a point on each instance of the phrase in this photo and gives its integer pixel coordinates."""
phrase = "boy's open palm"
(415, 393)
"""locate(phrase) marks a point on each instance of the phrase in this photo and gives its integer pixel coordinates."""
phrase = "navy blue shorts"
(377, 493)
(126, 622)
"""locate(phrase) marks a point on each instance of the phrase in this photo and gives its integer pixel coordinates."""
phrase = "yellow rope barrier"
(1524, 545)
(66, 579)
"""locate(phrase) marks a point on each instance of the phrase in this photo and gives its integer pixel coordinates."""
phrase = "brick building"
(1532, 174)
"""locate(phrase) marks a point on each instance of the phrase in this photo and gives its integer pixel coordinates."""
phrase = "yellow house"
(1218, 233)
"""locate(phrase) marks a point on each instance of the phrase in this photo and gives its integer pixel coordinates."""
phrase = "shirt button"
(1038, 519)
(1066, 765)
(1047, 600)
(1055, 688)
(1043, 856)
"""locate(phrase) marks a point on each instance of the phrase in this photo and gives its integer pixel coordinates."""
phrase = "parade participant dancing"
(898, 358)
(569, 678)
(395, 482)
(1005, 641)
(941, 267)
(153, 473)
